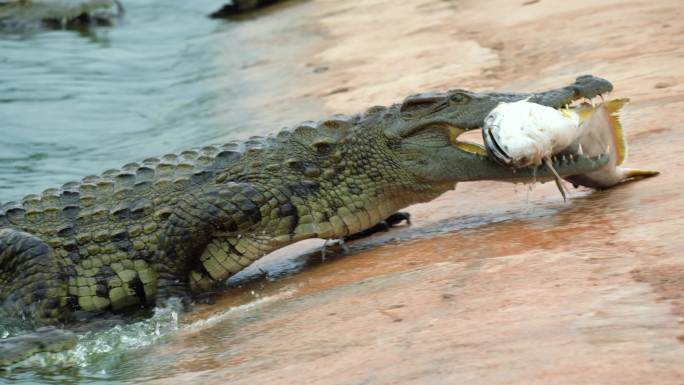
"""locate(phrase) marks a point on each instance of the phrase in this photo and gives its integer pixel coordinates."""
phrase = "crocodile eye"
(459, 98)
(421, 102)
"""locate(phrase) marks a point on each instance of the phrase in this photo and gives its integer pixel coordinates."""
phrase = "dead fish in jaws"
(522, 134)
(602, 133)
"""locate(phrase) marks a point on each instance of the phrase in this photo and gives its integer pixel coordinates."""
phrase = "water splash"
(115, 354)
(229, 312)
(98, 350)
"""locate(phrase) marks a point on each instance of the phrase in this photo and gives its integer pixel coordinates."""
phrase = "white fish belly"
(528, 132)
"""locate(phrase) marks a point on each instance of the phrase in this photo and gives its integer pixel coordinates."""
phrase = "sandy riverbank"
(490, 284)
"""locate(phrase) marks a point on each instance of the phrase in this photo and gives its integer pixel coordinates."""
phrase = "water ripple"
(165, 79)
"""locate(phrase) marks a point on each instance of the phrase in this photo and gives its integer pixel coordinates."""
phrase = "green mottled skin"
(182, 224)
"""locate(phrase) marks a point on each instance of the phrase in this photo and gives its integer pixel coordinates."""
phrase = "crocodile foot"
(385, 225)
(333, 243)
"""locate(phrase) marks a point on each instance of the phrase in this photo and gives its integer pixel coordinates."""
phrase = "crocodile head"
(426, 128)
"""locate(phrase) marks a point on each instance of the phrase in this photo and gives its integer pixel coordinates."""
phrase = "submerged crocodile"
(238, 7)
(61, 14)
(181, 224)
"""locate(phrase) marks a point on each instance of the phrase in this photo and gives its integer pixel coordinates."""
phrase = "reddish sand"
(491, 284)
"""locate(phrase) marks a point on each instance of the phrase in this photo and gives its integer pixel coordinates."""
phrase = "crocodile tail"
(31, 282)
(30, 292)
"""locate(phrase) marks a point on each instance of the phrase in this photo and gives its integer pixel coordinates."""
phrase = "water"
(100, 354)
(167, 78)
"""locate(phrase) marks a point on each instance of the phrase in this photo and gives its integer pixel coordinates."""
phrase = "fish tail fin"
(602, 133)
(602, 129)
(613, 109)
(635, 173)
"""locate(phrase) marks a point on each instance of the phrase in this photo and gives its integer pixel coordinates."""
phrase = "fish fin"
(557, 178)
(472, 148)
(613, 137)
(570, 113)
(602, 180)
(613, 108)
(583, 112)
(635, 173)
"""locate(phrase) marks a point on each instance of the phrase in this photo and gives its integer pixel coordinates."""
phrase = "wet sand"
(491, 284)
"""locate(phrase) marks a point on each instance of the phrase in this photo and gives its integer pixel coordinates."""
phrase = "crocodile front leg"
(226, 256)
(250, 220)
(245, 221)
(383, 225)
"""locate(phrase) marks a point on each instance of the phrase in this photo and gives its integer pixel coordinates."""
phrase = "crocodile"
(179, 225)
(239, 7)
(62, 14)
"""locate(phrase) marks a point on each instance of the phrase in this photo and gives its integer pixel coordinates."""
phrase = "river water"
(166, 79)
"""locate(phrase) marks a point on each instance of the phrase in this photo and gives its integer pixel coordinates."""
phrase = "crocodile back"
(133, 191)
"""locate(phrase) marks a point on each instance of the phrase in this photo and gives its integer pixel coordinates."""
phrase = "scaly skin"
(182, 224)
(19, 14)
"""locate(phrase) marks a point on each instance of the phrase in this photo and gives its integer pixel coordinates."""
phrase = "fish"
(522, 134)
(602, 133)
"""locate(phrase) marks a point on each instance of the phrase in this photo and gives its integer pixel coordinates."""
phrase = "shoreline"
(491, 284)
